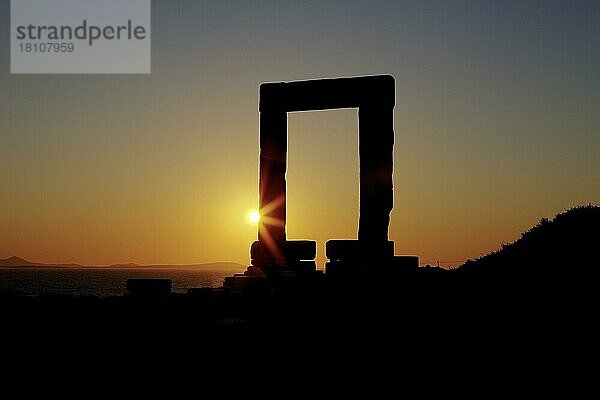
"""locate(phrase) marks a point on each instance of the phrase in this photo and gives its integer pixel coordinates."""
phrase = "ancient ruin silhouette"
(374, 96)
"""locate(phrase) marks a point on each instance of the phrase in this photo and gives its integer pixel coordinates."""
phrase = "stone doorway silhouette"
(374, 97)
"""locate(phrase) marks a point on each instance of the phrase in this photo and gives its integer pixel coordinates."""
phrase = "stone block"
(357, 251)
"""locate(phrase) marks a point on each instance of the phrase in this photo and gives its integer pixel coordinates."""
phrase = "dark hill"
(566, 245)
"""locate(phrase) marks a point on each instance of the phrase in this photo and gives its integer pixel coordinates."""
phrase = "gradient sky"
(497, 125)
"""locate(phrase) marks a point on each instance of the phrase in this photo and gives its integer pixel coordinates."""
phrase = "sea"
(103, 282)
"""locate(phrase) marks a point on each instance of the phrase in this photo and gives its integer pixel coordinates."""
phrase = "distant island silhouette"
(18, 262)
(15, 261)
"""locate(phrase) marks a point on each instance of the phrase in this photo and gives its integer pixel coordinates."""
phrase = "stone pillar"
(272, 185)
(376, 146)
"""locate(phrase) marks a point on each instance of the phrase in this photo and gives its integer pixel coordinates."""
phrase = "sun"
(254, 217)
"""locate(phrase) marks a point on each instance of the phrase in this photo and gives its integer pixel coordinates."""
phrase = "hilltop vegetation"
(566, 243)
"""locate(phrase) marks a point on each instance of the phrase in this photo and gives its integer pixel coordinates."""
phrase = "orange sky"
(496, 126)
